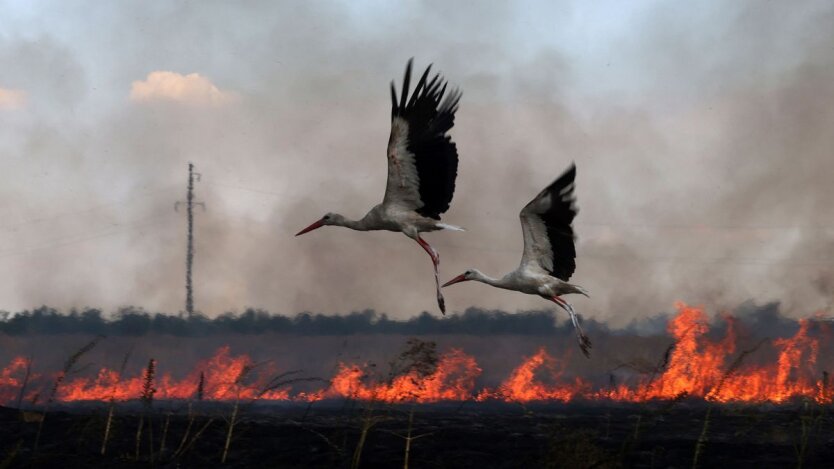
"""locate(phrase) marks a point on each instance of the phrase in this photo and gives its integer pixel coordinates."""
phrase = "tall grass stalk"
(419, 359)
(139, 436)
(239, 384)
(409, 437)
(806, 424)
(233, 418)
(194, 438)
(713, 394)
(112, 405)
(811, 421)
(198, 396)
(232, 422)
(25, 382)
(702, 439)
(164, 434)
(368, 422)
(69, 365)
(148, 391)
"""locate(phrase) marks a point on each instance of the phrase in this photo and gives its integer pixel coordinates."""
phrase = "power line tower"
(189, 253)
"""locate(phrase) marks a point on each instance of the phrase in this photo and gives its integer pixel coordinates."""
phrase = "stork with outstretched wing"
(549, 257)
(422, 167)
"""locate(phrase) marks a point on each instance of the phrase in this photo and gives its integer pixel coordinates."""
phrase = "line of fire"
(695, 366)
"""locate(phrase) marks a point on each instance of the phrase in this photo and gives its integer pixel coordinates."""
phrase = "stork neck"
(358, 225)
(495, 282)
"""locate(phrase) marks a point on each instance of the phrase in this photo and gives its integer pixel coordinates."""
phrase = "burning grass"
(696, 365)
(707, 394)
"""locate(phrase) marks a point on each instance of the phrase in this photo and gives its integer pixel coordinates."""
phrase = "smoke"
(701, 135)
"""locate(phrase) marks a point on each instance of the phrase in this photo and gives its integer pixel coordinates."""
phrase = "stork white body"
(549, 252)
(422, 168)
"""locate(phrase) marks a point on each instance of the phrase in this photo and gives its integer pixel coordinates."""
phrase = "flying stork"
(549, 251)
(422, 167)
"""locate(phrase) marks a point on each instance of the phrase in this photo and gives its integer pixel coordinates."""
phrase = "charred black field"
(453, 435)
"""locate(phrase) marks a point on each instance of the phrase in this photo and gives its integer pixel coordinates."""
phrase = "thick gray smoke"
(701, 133)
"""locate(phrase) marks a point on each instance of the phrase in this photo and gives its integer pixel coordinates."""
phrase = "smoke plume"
(701, 133)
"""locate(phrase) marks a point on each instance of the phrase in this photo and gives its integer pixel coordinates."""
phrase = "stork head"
(327, 219)
(471, 274)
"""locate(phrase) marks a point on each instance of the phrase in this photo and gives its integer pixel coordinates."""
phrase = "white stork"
(549, 252)
(422, 167)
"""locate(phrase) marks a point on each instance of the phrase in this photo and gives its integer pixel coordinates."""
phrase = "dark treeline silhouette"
(763, 320)
(131, 321)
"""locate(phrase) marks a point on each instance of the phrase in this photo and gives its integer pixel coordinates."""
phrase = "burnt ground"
(453, 435)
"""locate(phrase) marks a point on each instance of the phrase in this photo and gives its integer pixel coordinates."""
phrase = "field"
(697, 397)
(454, 435)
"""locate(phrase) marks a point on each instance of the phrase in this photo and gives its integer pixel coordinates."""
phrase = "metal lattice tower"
(189, 254)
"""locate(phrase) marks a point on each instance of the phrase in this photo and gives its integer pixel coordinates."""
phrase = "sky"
(701, 132)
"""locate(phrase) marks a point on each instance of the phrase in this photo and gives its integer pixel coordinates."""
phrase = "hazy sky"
(702, 135)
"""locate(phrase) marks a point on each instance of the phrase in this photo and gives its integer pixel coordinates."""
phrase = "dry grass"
(420, 359)
(148, 391)
(69, 367)
(239, 385)
(25, 383)
(112, 405)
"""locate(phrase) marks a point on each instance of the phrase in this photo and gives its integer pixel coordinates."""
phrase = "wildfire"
(11, 378)
(453, 380)
(523, 386)
(696, 367)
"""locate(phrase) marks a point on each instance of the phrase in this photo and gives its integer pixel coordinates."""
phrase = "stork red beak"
(458, 279)
(310, 228)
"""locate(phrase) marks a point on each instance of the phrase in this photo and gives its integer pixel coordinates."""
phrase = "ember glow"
(696, 367)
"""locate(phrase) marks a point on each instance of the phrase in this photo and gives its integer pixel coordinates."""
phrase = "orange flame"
(697, 367)
(792, 376)
(452, 380)
(700, 368)
(522, 385)
(226, 378)
(11, 378)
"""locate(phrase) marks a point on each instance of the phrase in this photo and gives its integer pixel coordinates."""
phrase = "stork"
(422, 167)
(549, 251)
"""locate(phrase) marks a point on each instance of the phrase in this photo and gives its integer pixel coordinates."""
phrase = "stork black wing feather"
(429, 118)
(558, 218)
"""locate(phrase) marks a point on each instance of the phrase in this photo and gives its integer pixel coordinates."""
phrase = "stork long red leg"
(584, 341)
(435, 260)
(435, 257)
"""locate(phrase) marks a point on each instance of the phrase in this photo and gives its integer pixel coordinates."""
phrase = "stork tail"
(444, 226)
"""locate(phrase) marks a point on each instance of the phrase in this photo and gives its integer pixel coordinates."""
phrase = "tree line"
(133, 321)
